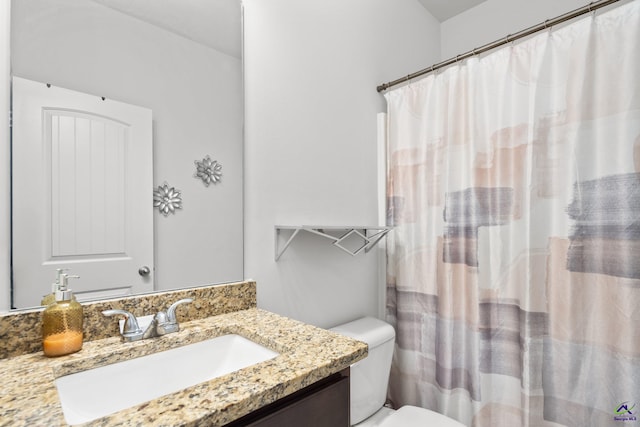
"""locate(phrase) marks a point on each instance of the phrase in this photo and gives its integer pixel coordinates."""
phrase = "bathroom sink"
(94, 393)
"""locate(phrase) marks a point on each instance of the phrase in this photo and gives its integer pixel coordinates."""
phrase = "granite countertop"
(307, 354)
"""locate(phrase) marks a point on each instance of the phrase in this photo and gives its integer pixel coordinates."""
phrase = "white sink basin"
(94, 393)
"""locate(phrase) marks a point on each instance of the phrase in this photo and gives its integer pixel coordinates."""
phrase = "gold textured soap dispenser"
(62, 322)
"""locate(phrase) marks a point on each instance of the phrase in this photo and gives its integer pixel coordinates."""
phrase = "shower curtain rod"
(511, 37)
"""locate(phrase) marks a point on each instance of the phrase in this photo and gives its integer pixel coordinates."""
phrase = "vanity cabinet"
(322, 404)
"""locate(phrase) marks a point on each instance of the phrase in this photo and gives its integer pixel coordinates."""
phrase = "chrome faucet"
(167, 322)
(161, 324)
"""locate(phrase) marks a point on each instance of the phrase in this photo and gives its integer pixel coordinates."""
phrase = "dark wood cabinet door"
(324, 404)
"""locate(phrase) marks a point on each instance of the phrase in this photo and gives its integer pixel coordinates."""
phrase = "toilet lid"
(412, 416)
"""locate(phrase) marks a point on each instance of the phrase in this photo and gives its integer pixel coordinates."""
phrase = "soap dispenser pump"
(51, 298)
(62, 322)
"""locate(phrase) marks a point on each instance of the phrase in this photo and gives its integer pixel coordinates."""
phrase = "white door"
(82, 193)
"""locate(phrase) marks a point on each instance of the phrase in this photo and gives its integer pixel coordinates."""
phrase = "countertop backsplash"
(20, 331)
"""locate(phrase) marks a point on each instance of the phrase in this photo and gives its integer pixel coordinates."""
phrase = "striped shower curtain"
(514, 263)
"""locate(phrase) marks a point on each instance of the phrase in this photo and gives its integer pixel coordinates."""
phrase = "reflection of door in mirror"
(86, 200)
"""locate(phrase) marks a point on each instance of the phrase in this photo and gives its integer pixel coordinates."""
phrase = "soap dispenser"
(62, 322)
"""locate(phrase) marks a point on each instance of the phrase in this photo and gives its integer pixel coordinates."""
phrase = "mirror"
(181, 60)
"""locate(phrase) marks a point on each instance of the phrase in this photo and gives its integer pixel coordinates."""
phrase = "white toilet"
(370, 377)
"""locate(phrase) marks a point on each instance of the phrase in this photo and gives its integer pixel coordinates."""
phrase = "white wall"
(495, 19)
(195, 93)
(311, 71)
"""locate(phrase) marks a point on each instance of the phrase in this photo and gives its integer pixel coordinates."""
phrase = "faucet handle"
(131, 328)
(167, 322)
(171, 311)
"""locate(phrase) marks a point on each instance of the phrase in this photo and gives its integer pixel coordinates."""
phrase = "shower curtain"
(514, 263)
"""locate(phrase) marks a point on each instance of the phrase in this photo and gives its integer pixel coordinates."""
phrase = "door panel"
(88, 190)
(82, 193)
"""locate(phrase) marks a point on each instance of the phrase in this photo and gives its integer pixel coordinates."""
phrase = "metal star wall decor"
(167, 199)
(208, 170)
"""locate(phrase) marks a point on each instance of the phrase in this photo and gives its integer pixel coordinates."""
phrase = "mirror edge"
(5, 159)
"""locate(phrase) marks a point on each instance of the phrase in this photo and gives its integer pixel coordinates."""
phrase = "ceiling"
(217, 23)
(214, 23)
(445, 9)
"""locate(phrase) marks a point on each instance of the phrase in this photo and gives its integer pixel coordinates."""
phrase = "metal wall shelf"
(352, 240)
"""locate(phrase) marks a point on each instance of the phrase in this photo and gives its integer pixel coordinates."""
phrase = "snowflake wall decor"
(208, 170)
(167, 199)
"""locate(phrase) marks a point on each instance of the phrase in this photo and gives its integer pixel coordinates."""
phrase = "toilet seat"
(412, 416)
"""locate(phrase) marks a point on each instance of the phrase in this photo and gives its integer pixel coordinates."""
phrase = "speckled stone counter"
(21, 333)
(307, 354)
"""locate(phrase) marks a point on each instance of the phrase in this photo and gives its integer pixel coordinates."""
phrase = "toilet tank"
(370, 376)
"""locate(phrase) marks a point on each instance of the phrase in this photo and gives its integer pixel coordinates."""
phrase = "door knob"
(144, 271)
